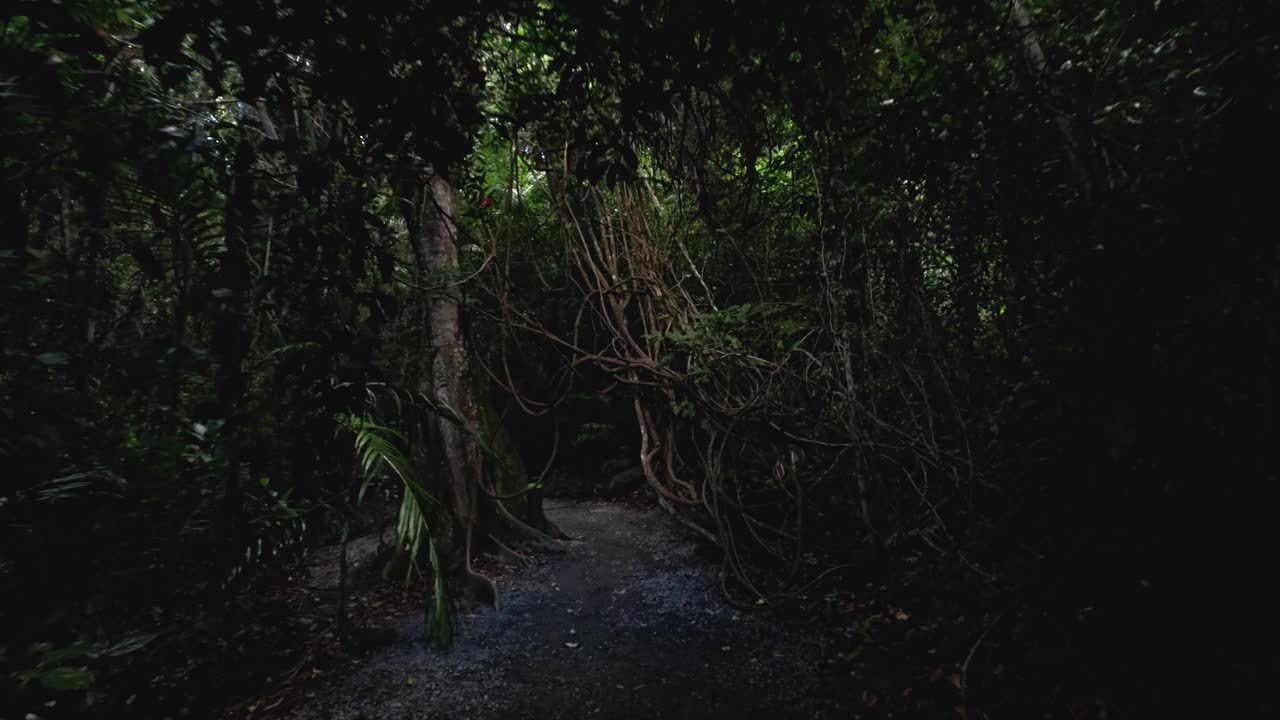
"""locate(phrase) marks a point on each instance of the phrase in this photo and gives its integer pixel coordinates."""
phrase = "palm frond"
(377, 446)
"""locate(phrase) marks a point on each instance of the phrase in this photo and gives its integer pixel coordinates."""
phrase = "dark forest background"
(967, 311)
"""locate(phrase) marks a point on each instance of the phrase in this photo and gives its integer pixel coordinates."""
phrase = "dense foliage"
(960, 307)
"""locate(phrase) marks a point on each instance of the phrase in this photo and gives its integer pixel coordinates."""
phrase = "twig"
(964, 668)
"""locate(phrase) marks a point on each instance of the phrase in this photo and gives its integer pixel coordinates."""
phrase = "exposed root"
(477, 589)
(701, 531)
(506, 555)
(554, 531)
(536, 538)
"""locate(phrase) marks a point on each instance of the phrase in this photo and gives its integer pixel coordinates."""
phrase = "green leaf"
(56, 656)
(52, 358)
(376, 446)
(60, 678)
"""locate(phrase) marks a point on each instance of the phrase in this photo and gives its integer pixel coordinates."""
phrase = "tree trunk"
(1039, 66)
(443, 374)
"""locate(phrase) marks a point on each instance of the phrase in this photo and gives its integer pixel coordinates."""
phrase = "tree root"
(506, 555)
(535, 537)
(554, 531)
(701, 531)
(477, 589)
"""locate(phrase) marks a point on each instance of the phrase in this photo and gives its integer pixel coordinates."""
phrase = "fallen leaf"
(409, 681)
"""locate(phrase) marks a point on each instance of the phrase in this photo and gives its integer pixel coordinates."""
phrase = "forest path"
(628, 623)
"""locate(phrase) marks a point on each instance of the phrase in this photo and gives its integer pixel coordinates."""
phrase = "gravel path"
(629, 623)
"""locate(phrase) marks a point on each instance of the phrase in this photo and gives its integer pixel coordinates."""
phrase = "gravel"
(629, 623)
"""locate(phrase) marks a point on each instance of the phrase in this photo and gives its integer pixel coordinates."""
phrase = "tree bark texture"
(443, 372)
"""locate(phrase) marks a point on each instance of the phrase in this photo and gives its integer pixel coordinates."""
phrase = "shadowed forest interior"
(944, 332)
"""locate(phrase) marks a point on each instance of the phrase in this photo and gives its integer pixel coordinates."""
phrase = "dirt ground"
(628, 623)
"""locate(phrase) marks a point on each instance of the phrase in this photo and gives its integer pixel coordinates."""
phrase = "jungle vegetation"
(964, 307)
